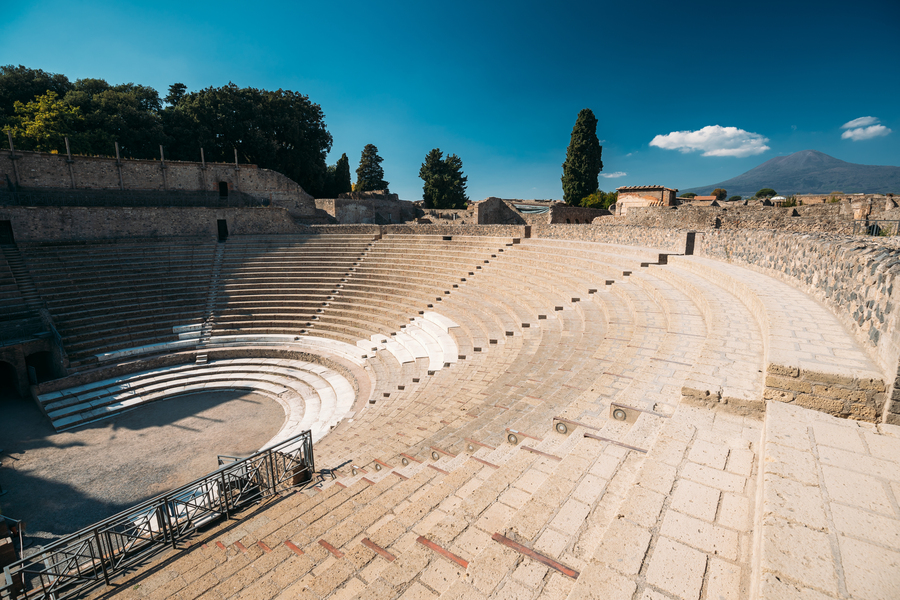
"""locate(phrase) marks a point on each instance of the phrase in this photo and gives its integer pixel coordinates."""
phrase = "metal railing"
(100, 552)
(876, 227)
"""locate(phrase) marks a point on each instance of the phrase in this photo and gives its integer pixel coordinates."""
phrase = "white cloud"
(863, 128)
(614, 175)
(714, 140)
(860, 122)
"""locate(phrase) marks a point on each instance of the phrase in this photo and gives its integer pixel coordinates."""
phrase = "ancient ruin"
(668, 402)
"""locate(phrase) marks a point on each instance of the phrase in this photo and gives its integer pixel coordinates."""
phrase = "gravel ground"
(60, 482)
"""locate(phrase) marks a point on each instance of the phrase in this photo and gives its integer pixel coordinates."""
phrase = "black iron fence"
(132, 198)
(876, 227)
(100, 552)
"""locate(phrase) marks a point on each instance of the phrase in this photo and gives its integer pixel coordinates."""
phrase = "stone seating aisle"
(109, 296)
(811, 359)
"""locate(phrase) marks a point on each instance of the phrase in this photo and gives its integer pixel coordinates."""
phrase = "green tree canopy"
(688, 195)
(444, 182)
(600, 199)
(583, 159)
(734, 199)
(176, 93)
(719, 193)
(45, 122)
(766, 192)
(127, 113)
(21, 84)
(370, 174)
(280, 130)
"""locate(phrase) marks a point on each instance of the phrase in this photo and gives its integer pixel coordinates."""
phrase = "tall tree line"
(280, 130)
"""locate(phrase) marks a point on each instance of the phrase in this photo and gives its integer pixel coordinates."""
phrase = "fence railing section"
(100, 552)
(876, 227)
(133, 198)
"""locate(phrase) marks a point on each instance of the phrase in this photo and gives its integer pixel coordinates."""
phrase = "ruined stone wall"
(511, 231)
(496, 211)
(367, 209)
(827, 218)
(32, 170)
(563, 213)
(664, 239)
(450, 216)
(38, 224)
(857, 278)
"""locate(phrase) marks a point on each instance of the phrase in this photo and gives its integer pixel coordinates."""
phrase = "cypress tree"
(445, 184)
(583, 163)
(342, 183)
(370, 175)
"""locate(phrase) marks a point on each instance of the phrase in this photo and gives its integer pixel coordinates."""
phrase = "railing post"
(100, 556)
(225, 495)
(272, 479)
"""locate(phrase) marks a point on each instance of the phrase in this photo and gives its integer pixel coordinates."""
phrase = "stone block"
(623, 547)
(812, 567)
(832, 406)
(786, 383)
(677, 569)
(783, 370)
(870, 571)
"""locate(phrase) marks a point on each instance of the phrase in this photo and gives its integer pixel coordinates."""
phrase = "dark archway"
(42, 363)
(9, 381)
(223, 189)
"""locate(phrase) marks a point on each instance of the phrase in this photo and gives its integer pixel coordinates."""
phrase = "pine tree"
(370, 175)
(583, 159)
(445, 184)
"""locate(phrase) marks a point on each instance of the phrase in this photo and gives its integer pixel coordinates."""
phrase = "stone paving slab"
(829, 520)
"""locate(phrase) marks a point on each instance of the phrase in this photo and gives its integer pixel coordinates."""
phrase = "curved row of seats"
(495, 369)
(313, 396)
(109, 296)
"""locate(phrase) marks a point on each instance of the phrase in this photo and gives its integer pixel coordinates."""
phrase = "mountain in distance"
(810, 172)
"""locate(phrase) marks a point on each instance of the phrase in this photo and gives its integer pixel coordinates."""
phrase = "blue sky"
(718, 88)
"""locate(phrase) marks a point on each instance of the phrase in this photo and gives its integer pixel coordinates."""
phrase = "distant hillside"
(810, 172)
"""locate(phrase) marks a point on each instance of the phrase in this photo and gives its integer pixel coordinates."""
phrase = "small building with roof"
(641, 196)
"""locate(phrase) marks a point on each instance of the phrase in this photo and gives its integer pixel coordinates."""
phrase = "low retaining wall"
(667, 240)
(59, 224)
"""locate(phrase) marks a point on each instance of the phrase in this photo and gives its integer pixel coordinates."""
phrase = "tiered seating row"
(314, 397)
(106, 297)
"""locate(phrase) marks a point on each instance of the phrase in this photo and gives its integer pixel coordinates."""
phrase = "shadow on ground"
(59, 483)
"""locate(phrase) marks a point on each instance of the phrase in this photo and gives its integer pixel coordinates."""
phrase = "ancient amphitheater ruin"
(518, 411)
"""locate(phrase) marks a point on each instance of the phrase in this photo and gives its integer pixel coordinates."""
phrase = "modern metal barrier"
(100, 552)
(876, 227)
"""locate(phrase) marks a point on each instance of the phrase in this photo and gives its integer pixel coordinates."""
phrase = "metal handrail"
(105, 549)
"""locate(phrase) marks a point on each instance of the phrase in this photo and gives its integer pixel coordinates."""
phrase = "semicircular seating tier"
(524, 417)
